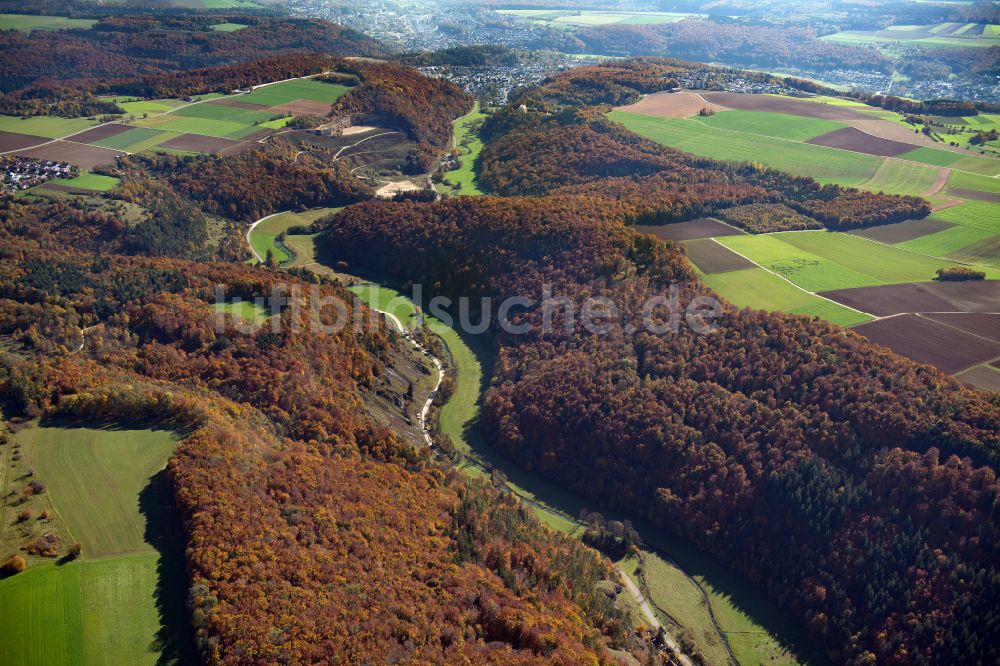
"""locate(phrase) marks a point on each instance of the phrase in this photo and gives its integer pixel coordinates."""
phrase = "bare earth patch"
(885, 300)
(357, 129)
(671, 105)
(981, 377)
(949, 349)
(983, 324)
(851, 138)
(680, 231)
(712, 257)
(390, 190)
(974, 194)
(12, 141)
(303, 107)
(77, 154)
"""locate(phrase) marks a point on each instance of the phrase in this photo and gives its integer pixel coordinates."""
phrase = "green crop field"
(89, 181)
(264, 235)
(135, 140)
(26, 23)
(969, 181)
(204, 126)
(95, 477)
(886, 264)
(758, 289)
(777, 125)
(827, 165)
(812, 272)
(50, 127)
(951, 243)
(979, 214)
(898, 177)
(225, 113)
(289, 91)
(463, 179)
(973, 163)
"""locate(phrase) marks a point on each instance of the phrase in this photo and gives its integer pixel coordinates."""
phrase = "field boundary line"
(812, 293)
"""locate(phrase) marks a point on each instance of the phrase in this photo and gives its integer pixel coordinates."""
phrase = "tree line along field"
(122, 600)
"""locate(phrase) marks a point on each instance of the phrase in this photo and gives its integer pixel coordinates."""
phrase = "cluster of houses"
(20, 173)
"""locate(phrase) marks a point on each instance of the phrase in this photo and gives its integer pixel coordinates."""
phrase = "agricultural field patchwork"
(826, 165)
(758, 289)
(975, 35)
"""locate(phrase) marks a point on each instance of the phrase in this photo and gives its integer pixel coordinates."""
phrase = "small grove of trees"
(15, 565)
(959, 274)
(616, 538)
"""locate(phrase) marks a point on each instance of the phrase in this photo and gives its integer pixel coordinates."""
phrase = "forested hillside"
(296, 551)
(122, 47)
(855, 487)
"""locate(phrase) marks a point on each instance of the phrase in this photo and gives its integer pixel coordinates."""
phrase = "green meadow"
(463, 179)
(89, 181)
(193, 125)
(248, 311)
(264, 236)
(898, 177)
(227, 27)
(232, 114)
